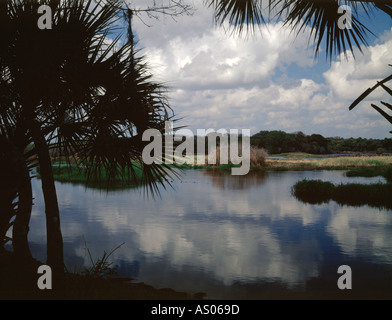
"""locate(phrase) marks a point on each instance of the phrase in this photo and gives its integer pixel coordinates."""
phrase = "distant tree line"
(281, 142)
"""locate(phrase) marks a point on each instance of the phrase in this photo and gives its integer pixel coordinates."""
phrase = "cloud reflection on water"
(214, 231)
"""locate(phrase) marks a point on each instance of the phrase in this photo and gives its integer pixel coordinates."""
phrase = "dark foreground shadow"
(18, 281)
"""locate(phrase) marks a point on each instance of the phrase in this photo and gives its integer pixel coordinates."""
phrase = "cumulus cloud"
(267, 81)
(348, 79)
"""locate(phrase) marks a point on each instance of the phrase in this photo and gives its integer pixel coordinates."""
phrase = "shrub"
(257, 157)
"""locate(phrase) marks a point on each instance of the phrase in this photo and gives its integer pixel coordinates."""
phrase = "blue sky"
(266, 81)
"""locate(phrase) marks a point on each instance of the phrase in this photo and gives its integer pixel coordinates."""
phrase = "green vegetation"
(313, 191)
(79, 175)
(376, 195)
(280, 142)
(379, 171)
(364, 166)
(364, 172)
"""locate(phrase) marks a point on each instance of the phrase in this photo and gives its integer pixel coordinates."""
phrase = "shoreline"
(18, 281)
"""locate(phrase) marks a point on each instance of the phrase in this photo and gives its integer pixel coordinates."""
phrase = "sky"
(268, 80)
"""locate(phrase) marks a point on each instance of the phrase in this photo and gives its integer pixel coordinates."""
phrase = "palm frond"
(321, 16)
(368, 91)
(239, 14)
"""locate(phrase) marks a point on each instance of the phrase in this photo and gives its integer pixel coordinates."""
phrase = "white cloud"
(349, 79)
(265, 82)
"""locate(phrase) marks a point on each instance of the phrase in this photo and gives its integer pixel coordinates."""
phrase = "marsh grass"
(376, 195)
(313, 191)
(355, 161)
(364, 172)
(330, 163)
(385, 172)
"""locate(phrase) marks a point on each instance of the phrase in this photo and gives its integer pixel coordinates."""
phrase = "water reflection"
(223, 180)
(360, 233)
(215, 234)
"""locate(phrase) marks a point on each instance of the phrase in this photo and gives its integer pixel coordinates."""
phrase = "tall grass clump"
(101, 268)
(313, 191)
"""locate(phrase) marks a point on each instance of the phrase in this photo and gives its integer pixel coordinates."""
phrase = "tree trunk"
(22, 219)
(8, 190)
(7, 196)
(54, 237)
(21, 222)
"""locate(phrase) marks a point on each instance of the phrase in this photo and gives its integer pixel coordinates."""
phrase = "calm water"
(230, 237)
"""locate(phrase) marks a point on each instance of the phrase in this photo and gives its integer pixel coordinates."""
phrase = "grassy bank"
(79, 175)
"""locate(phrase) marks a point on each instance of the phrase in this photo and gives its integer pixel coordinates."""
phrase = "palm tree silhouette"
(74, 91)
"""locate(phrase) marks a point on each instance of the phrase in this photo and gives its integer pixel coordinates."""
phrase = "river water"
(231, 237)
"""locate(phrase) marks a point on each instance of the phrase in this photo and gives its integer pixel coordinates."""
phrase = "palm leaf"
(241, 13)
(369, 91)
(382, 112)
(320, 15)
